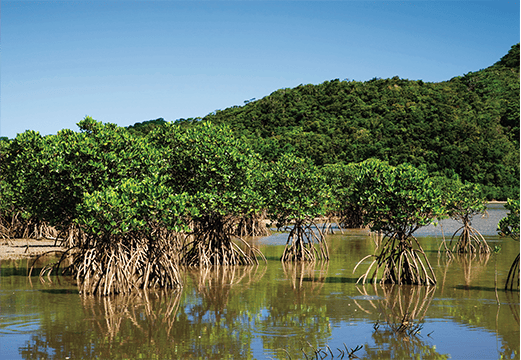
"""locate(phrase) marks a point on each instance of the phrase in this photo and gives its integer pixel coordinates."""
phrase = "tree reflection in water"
(111, 327)
(314, 273)
(402, 309)
(215, 283)
(296, 324)
(145, 309)
(165, 324)
(473, 265)
(217, 321)
(507, 351)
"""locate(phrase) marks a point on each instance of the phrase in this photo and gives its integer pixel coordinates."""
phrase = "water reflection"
(295, 320)
(227, 276)
(394, 303)
(124, 326)
(273, 311)
(513, 304)
(392, 345)
(142, 309)
(198, 322)
(214, 285)
(401, 311)
(473, 266)
(313, 273)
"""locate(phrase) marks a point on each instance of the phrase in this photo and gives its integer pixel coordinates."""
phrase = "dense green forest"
(466, 127)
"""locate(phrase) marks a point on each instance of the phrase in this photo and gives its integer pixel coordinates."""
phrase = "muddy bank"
(26, 248)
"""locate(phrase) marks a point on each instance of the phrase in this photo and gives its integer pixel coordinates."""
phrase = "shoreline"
(15, 249)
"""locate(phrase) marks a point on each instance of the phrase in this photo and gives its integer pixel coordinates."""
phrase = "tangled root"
(301, 244)
(401, 263)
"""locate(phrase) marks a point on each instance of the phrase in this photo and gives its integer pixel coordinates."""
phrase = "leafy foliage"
(396, 200)
(145, 127)
(341, 208)
(509, 225)
(49, 175)
(133, 206)
(294, 190)
(208, 163)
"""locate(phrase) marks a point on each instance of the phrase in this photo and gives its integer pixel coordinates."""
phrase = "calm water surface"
(276, 311)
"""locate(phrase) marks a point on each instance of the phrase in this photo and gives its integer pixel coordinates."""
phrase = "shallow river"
(277, 312)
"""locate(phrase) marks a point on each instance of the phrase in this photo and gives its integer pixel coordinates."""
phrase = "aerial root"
(300, 245)
(115, 268)
(469, 241)
(513, 275)
(213, 246)
(399, 263)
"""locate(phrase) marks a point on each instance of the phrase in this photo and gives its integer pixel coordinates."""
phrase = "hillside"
(468, 125)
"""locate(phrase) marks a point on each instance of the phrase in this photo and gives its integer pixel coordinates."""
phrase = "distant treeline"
(467, 127)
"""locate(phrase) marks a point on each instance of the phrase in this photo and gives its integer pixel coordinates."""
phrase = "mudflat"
(26, 248)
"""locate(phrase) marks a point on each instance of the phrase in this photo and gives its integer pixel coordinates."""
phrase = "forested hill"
(468, 125)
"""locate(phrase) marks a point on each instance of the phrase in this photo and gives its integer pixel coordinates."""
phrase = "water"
(275, 311)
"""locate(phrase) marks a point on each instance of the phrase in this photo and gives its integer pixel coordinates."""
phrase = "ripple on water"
(366, 297)
(18, 325)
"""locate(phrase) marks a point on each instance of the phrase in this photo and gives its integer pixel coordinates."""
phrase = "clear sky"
(130, 61)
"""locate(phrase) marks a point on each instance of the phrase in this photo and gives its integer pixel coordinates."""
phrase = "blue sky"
(129, 61)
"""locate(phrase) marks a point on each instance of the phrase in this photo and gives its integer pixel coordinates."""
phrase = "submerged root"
(469, 241)
(214, 247)
(300, 245)
(117, 267)
(399, 263)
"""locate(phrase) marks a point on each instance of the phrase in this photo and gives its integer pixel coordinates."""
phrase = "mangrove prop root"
(300, 245)
(401, 261)
(117, 267)
(253, 225)
(513, 275)
(213, 244)
(469, 241)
